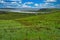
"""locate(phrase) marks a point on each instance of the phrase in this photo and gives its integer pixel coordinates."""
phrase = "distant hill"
(48, 9)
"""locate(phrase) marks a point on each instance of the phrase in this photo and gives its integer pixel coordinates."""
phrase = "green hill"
(21, 26)
(48, 10)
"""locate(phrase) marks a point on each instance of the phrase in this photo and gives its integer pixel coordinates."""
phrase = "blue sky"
(29, 3)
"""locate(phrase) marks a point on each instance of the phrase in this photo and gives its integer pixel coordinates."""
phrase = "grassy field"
(21, 26)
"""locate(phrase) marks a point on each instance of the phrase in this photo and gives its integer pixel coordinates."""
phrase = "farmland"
(25, 26)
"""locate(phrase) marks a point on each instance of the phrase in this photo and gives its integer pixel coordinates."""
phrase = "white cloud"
(44, 5)
(47, 5)
(20, 1)
(36, 5)
(28, 3)
(13, 0)
(1, 1)
(25, 6)
(13, 4)
(50, 1)
(19, 5)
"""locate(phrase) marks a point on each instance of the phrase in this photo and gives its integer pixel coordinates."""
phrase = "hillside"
(21, 26)
(48, 9)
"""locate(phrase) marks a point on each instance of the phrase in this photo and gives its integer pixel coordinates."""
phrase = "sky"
(29, 3)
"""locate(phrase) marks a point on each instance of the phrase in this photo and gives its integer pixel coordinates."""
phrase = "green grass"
(18, 26)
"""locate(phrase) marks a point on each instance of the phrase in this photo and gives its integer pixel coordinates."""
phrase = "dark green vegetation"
(21, 26)
(49, 10)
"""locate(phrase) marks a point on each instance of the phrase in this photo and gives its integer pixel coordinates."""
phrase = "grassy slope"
(50, 20)
(30, 27)
(8, 19)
